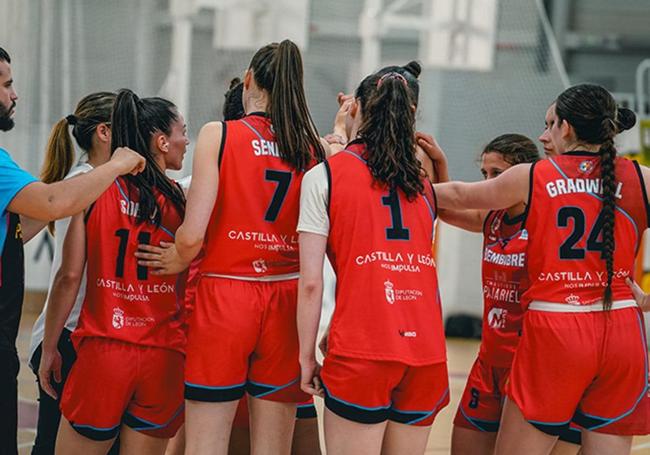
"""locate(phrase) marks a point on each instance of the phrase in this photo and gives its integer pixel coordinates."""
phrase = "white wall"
(459, 270)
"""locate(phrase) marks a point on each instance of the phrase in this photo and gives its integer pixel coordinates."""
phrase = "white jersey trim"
(568, 308)
(265, 278)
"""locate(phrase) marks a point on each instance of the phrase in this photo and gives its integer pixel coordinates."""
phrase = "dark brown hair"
(591, 111)
(277, 68)
(134, 122)
(514, 148)
(4, 56)
(233, 107)
(388, 99)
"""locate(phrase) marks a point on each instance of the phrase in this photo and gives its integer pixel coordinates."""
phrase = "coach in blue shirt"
(24, 198)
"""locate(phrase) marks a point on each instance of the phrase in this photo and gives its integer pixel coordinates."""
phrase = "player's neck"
(354, 132)
(160, 161)
(256, 104)
(582, 147)
(97, 156)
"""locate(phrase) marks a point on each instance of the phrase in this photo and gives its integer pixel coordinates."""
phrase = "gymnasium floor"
(461, 354)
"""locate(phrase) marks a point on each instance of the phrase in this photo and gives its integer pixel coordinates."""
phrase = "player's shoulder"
(315, 174)
(214, 128)
(79, 168)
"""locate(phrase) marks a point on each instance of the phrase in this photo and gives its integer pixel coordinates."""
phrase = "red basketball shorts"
(482, 401)
(587, 367)
(113, 382)
(306, 410)
(637, 423)
(242, 336)
(481, 405)
(372, 391)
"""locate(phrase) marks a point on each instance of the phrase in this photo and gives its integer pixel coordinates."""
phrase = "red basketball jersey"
(387, 300)
(252, 231)
(123, 300)
(504, 279)
(565, 225)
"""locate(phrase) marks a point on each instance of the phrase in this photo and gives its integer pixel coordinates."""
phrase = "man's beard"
(6, 122)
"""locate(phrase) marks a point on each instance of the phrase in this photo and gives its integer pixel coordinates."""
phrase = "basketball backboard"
(461, 34)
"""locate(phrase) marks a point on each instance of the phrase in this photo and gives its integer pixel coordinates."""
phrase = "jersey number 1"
(397, 231)
(123, 234)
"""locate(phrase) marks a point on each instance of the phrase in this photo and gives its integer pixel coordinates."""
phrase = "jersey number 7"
(283, 180)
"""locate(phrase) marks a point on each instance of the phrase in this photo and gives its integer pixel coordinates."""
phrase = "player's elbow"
(311, 286)
(59, 208)
(67, 278)
(55, 206)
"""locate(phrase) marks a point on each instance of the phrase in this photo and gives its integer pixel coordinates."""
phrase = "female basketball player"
(305, 436)
(479, 411)
(385, 377)
(91, 130)
(129, 340)
(246, 296)
(582, 354)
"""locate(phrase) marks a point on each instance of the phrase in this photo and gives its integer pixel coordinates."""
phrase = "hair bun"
(625, 119)
(234, 83)
(414, 68)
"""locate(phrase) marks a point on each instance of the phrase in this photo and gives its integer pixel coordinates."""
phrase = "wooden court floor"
(461, 354)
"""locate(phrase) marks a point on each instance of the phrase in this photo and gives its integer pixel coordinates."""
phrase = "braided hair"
(591, 111)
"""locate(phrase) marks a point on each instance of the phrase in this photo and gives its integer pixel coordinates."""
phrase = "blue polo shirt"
(12, 180)
(12, 261)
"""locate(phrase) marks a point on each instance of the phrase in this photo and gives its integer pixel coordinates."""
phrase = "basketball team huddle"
(183, 316)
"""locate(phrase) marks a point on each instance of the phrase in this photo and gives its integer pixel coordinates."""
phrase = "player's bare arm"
(47, 202)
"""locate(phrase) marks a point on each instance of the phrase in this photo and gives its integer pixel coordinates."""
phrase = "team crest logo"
(573, 300)
(390, 293)
(524, 234)
(586, 167)
(497, 318)
(118, 318)
(260, 266)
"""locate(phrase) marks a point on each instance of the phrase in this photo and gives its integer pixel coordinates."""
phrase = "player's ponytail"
(607, 154)
(591, 111)
(388, 100)
(134, 122)
(59, 152)
(278, 69)
(388, 130)
(92, 110)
